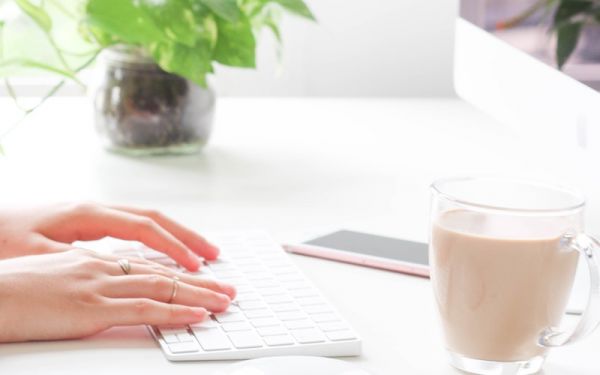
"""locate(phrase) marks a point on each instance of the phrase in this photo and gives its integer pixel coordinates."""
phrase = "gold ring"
(125, 265)
(175, 289)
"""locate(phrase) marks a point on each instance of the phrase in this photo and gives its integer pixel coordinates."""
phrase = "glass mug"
(503, 258)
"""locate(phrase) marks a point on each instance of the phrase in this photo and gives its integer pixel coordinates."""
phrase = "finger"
(160, 288)
(136, 311)
(193, 240)
(95, 222)
(145, 267)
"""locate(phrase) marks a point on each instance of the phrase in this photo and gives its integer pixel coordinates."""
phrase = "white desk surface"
(291, 167)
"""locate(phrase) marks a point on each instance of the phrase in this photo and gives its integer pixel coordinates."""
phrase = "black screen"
(379, 246)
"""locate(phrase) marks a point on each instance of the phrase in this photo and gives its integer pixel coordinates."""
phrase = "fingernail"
(228, 289)
(225, 299)
(214, 249)
(195, 262)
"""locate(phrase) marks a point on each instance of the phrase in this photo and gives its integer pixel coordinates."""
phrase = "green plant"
(568, 19)
(184, 37)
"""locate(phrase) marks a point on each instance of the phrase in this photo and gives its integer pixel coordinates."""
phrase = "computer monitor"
(511, 74)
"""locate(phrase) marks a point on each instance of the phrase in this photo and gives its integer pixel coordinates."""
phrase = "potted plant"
(154, 97)
(572, 21)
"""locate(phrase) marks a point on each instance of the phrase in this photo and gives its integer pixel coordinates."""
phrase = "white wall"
(367, 48)
(358, 48)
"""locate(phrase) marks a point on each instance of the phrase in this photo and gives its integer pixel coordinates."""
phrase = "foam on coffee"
(499, 281)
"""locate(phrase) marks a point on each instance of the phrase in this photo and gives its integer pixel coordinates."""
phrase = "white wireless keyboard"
(277, 311)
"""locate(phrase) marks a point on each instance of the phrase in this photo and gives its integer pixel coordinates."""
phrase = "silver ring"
(175, 289)
(125, 265)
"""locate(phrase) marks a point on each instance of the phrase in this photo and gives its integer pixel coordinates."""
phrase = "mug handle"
(588, 247)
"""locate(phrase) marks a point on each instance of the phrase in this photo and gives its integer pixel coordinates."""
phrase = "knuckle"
(145, 223)
(142, 307)
(88, 297)
(83, 208)
(161, 270)
(157, 283)
(176, 312)
(155, 214)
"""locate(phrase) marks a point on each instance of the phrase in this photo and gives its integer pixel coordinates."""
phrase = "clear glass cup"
(503, 258)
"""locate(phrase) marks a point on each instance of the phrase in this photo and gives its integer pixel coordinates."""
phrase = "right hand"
(79, 293)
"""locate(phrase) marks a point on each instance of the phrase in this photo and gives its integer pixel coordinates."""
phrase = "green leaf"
(226, 9)
(190, 62)
(568, 35)
(37, 13)
(236, 45)
(174, 18)
(296, 6)
(124, 19)
(268, 17)
(568, 9)
(27, 63)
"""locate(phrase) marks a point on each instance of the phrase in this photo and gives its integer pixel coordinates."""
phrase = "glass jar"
(142, 110)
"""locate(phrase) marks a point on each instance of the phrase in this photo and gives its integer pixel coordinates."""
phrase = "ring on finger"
(125, 265)
(175, 289)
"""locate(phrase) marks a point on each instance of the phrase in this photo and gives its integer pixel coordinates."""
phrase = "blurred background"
(377, 48)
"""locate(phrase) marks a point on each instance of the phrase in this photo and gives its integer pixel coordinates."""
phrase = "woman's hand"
(77, 293)
(54, 228)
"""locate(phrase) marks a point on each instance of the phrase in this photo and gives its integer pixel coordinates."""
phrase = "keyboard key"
(268, 283)
(244, 288)
(279, 340)
(309, 301)
(203, 272)
(244, 262)
(207, 323)
(316, 309)
(212, 339)
(325, 317)
(273, 291)
(243, 297)
(291, 315)
(185, 337)
(252, 305)
(279, 298)
(169, 337)
(261, 313)
(333, 326)
(264, 322)
(230, 317)
(308, 335)
(245, 339)
(284, 270)
(257, 276)
(281, 307)
(306, 292)
(340, 335)
(291, 277)
(229, 274)
(184, 347)
(235, 281)
(233, 308)
(293, 285)
(271, 331)
(255, 267)
(303, 323)
(236, 326)
(222, 268)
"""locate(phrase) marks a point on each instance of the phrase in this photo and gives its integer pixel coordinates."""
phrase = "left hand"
(54, 228)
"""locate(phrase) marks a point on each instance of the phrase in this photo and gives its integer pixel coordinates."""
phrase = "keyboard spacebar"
(212, 339)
